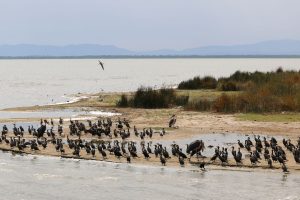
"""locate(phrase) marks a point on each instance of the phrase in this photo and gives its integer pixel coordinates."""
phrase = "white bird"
(101, 63)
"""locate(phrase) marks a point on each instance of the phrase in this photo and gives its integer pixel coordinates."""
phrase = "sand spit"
(190, 125)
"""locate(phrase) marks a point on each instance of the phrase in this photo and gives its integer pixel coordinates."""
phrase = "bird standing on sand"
(101, 63)
(172, 121)
(202, 166)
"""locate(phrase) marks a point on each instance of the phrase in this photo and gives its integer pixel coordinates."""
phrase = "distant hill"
(25, 50)
(267, 48)
(279, 47)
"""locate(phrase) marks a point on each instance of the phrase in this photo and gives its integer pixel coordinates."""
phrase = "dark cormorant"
(101, 64)
(202, 165)
(284, 168)
(270, 163)
(162, 160)
(128, 159)
(181, 160)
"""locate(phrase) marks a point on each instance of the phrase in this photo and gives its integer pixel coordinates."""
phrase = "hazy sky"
(148, 24)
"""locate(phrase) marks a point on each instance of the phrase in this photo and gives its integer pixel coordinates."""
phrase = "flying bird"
(101, 63)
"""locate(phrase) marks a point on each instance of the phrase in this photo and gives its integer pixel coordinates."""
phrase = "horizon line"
(146, 56)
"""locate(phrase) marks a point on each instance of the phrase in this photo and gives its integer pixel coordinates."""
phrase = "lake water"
(46, 81)
(37, 177)
(31, 82)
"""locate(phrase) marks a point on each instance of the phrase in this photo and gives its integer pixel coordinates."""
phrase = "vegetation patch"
(147, 97)
(267, 117)
(242, 92)
(197, 82)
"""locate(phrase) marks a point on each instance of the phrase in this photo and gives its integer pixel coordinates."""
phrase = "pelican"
(101, 63)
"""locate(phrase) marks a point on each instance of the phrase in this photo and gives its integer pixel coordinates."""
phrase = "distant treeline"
(259, 92)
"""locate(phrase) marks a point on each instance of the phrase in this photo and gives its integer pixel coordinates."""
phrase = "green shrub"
(123, 102)
(199, 83)
(229, 86)
(147, 97)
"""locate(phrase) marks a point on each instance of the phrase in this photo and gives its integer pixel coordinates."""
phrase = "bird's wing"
(101, 63)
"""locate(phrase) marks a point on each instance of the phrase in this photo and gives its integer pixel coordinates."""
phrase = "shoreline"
(191, 124)
(192, 165)
(154, 161)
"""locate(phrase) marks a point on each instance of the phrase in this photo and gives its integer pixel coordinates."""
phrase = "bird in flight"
(101, 63)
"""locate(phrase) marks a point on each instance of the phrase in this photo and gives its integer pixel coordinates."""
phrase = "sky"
(148, 24)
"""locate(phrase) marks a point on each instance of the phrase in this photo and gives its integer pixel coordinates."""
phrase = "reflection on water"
(38, 177)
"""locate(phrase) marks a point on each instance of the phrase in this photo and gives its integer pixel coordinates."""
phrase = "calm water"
(30, 82)
(36, 82)
(36, 177)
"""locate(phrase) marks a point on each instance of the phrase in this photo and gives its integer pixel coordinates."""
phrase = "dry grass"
(276, 117)
(204, 94)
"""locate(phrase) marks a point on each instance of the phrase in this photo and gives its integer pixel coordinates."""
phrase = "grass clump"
(195, 83)
(147, 97)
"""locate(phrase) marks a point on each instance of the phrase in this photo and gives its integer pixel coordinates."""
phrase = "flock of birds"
(109, 144)
(261, 151)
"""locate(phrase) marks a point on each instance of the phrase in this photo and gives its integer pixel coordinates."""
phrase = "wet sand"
(190, 125)
(172, 162)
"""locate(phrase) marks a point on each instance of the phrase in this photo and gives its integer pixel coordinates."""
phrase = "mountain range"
(266, 48)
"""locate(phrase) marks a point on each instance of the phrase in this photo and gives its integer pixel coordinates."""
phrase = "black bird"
(238, 157)
(149, 149)
(133, 154)
(248, 147)
(284, 168)
(280, 160)
(253, 158)
(117, 154)
(103, 154)
(165, 153)
(274, 157)
(44, 144)
(222, 159)
(162, 160)
(128, 159)
(146, 155)
(101, 63)
(6, 140)
(214, 157)
(233, 152)
(156, 151)
(57, 147)
(267, 144)
(202, 165)
(181, 161)
(181, 154)
(240, 144)
(93, 152)
(270, 163)
(267, 151)
(266, 156)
